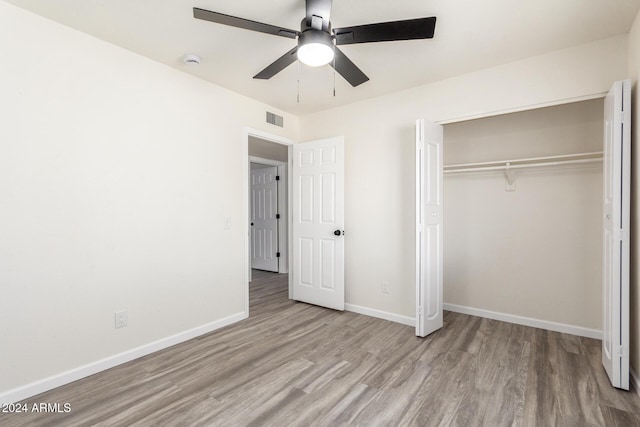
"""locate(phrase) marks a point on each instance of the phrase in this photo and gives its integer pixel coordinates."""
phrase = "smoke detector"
(191, 59)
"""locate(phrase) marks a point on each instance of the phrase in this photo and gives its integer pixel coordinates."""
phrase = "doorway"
(267, 241)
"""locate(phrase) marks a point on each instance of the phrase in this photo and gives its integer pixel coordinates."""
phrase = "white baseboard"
(635, 380)
(405, 320)
(510, 318)
(46, 384)
(526, 321)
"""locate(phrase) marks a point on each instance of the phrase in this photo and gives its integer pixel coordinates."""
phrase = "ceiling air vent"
(275, 119)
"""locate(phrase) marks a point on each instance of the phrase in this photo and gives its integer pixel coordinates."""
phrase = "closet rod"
(529, 162)
(595, 154)
(508, 166)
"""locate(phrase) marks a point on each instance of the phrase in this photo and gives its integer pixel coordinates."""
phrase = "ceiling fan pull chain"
(298, 82)
(334, 76)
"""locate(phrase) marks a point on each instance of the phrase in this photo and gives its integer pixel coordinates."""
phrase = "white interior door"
(318, 222)
(264, 222)
(429, 265)
(617, 166)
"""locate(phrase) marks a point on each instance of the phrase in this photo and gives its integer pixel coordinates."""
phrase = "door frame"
(283, 244)
(246, 133)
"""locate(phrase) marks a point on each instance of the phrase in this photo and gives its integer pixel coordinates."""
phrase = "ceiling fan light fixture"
(315, 48)
(315, 54)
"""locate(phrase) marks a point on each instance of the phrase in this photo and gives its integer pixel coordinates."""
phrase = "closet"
(523, 217)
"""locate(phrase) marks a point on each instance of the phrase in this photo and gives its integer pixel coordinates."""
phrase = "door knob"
(338, 232)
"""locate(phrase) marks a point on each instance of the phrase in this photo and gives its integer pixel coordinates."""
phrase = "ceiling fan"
(318, 42)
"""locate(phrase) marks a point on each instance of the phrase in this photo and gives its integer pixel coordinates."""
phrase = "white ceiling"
(470, 35)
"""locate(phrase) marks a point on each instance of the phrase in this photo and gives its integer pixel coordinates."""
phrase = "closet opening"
(523, 217)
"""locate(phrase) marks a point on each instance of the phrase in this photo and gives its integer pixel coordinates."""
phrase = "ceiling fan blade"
(278, 65)
(321, 9)
(411, 29)
(348, 69)
(246, 24)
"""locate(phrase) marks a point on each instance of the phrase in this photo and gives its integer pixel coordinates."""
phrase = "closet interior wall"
(536, 251)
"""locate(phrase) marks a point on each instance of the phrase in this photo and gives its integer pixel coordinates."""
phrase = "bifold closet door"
(617, 198)
(429, 265)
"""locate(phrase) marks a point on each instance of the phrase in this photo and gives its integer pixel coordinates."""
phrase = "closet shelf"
(531, 162)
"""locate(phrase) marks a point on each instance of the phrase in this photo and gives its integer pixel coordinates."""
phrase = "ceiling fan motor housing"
(315, 36)
(316, 45)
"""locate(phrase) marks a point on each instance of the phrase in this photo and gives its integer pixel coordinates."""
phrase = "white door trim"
(493, 113)
(262, 161)
(246, 133)
(283, 225)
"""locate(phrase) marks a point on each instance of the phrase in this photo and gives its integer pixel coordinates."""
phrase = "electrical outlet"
(121, 318)
(227, 223)
(385, 287)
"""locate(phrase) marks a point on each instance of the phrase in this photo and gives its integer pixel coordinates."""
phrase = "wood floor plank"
(347, 409)
(295, 364)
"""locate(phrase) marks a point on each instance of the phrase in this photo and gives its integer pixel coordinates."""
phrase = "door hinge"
(277, 254)
(620, 351)
(420, 311)
(277, 177)
(277, 216)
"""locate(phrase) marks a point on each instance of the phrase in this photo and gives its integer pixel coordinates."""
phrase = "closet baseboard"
(526, 321)
(509, 318)
(385, 315)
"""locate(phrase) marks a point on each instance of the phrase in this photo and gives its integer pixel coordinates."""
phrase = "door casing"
(247, 132)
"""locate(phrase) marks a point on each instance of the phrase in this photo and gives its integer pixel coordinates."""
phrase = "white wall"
(634, 74)
(379, 153)
(534, 252)
(116, 177)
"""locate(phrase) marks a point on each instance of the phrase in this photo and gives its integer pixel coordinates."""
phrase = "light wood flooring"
(296, 364)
